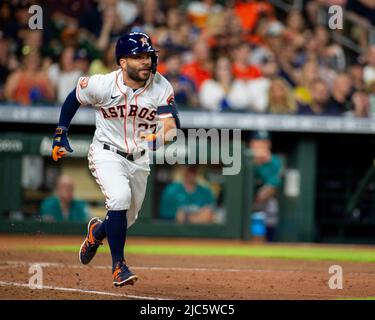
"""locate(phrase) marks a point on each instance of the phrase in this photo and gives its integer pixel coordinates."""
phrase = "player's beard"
(137, 74)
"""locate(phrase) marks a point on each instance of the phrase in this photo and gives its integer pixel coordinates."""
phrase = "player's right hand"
(153, 141)
(60, 145)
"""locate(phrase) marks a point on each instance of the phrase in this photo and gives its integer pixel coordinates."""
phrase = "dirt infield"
(172, 277)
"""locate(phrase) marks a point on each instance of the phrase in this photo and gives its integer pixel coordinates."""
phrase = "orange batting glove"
(60, 146)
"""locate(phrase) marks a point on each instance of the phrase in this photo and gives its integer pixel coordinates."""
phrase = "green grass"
(277, 252)
(365, 298)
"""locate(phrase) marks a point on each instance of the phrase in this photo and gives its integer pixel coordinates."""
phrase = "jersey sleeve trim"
(166, 109)
(169, 111)
(165, 115)
(78, 97)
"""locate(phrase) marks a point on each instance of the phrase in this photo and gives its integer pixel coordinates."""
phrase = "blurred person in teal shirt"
(268, 167)
(188, 201)
(62, 206)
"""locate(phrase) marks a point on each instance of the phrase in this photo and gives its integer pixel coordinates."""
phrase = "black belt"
(127, 156)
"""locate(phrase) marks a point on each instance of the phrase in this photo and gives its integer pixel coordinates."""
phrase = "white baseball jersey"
(121, 113)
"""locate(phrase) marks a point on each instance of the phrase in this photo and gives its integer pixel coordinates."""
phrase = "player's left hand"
(60, 144)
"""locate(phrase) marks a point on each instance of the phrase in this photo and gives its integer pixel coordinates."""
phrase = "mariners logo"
(144, 42)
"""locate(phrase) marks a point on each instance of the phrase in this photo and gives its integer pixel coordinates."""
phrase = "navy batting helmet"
(134, 43)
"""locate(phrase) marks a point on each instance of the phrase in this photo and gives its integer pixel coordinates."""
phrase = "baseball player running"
(129, 103)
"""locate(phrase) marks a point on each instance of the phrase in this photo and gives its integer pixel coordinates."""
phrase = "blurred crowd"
(243, 56)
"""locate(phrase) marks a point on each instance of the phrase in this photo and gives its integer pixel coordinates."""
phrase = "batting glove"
(60, 144)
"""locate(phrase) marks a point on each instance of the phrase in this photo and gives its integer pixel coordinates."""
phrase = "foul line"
(102, 293)
(77, 266)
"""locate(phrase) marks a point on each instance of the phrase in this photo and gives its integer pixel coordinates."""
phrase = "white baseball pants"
(122, 182)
